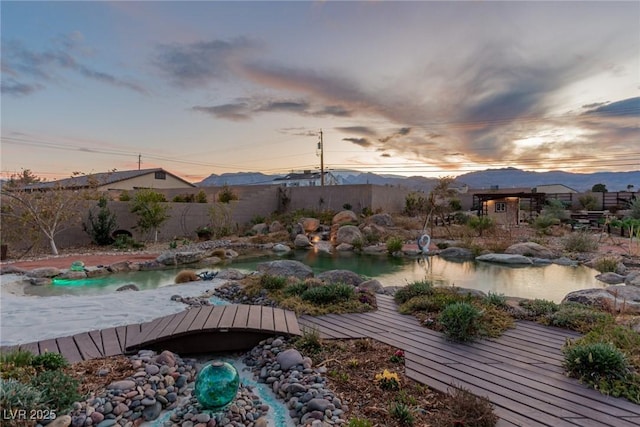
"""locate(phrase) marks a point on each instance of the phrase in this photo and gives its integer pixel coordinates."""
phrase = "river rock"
(261, 228)
(281, 248)
(309, 225)
(61, 421)
(610, 278)
(275, 227)
(633, 279)
(129, 287)
(372, 285)
(323, 246)
(44, 272)
(340, 276)
(286, 268)
(349, 234)
(345, 217)
(152, 412)
(530, 249)
(301, 241)
(289, 358)
(73, 275)
(231, 274)
(41, 281)
(119, 267)
(344, 247)
(505, 259)
(96, 271)
(381, 219)
(166, 358)
(620, 297)
(122, 385)
(565, 261)
(12, 269)
(456, 253)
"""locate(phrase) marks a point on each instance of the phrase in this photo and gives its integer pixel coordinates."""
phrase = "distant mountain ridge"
(503, 178)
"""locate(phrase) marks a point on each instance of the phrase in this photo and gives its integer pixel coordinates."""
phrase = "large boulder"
(120, 266)
(372, 285)
(309, 225)
(289, 358)
(618, 297)
(180, 257)
(323, 246)
(73, 275)
(286, 268)
(633, 279)
(382, 220)
(301, 241)
(349, 234)
(231, 274)
(275, 227)
(341, 276)
(530, 249)
(456, 253)
(505, 259)
(345, 217)
(44, 272)
(261, 228)
(610, 278)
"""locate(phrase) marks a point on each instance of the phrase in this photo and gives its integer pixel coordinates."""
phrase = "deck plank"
(214, 318)
(242, 317)
(201, 318)
(267, 323)
(121, 331)
(133, 333)
(255, 317)
(279, 321)
(49, 345)
(30, 347)
(292, 323)
(185, 323)
(87, 347)
(69, 350)
(97, 340)
(226, 321)
(110, 342)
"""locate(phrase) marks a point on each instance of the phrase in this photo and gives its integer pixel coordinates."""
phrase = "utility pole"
(321, 149)
(139, 160)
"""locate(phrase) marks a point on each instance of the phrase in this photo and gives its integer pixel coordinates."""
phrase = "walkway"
(207, 329)
(520, 372)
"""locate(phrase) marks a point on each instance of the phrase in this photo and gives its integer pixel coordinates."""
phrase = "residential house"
(306, 179)
(555, 189)
(508, 206)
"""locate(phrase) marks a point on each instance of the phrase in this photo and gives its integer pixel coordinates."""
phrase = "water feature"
(550, 282)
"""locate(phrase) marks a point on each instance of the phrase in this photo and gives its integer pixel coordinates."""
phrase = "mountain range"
(489, 178)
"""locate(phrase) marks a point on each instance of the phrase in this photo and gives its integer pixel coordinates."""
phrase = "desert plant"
(360, 422)
(588, 201)
(309, 342)
(296, 289)
(543, 223)
(101, 227)
(16, 358)
(327, 294)
(481, 224)
(577, 317)
(466, 409)
(460, 321)
(580, 241)
(634, 207)
(556, 209)
(226, 194)
(201, 197)
(49, 361)
(412, 290)
(606, 264)
(415, 204)
(221, 220)
(387, 380)
(596, 361)
(151, 210)
(497, 300)
(394, 244)
(272, 283)
(59, 390)
(16, 395)
(402, 413)
(539, 307)
(124, 196)
(124, 242)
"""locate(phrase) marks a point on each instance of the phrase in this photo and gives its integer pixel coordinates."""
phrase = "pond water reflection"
(550, 282)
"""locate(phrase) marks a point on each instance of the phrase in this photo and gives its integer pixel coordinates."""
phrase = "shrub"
(580, 241)
(296, 289)
(124, 241)
(466, 409)
(402, 413)
(16, 358)
(58, 389)
(327, 294)
(201, 197)
(49, 361)
(17, 395)
(578, 317)
(480, 224)
(226, 195)
(309, 342)
(387, 380)
(434, 302)
(360, 422)
(460, 321)
(588, 202)
(606, 264)
(101, 227)
(272, 283)
(415, 203)
(497, 300)
(594, 362)
(539, 307)
(394, 244)
(412, 290)
(543, 222)
(124, 196)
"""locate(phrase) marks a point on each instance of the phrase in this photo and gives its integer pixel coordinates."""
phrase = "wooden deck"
(520, 372)
(206, 329)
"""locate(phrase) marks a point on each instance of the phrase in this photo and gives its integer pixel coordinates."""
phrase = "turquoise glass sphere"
(217, 385)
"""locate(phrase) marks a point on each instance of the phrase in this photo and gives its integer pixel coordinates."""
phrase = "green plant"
(481, 224)
(16, 395)
(606, 264)
(397, 357)
(539, 307)
(578, 317)
(412, 290)
(309, 342)
(433, 302)
(258, 219)
(402, 413)
(328, 294)
(173, 244)
(497, 300)
(101, 227)
(415, 204)
(455, 205)
(201, 197)
(124, 241)
(221, 220)
(463, 408)
(543, 222)
(460, 321)
(588, 202)
(339, 376)
(360, 422)
(556, 209)
(16, 358)
(272, 283)
(387, 380)
(151, 210)
(124, 196)
(366, 211)
(580, 241)
(594, 362)
(296, 289)
(394, 244)
(59, 390)
(49, 361)
(226, 194)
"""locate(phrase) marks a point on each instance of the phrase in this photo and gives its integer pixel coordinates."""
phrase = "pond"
(551, 282)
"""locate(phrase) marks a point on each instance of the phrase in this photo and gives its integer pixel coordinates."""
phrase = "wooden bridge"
(207, 329)
(520, 372)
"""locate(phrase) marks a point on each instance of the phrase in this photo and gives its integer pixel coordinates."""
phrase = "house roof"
(303, 175)
(101, 178)
(553, 185)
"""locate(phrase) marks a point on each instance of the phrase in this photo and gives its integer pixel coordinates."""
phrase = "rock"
(323, 246)
(286, 268)
(289, 358)
(505, 259)
(230, 253)
(318, 405)
(261, 228)
(261, 422)
(96, 417)
(152, 412)
(275, 227)
(41, 281)
(73, 275)
(44, 272)
(345, 217)
(309, 225)
(301, 241)
(96, 271)
(618, 297)
(454, 252)
(61, 421)
(189, 257)
(372, 285)
(340, 276)
(349, 234)
(12, 269)
(632, 279)
(152, 369)
(231, 274)
(381, 219)
(122, 385)
(120, 408)
(281, 248)
(467, 291)
(530, 249)
(610, 278)
(129, 287)
(107, 423)
(375, 249)
(344, 247)
(565, 261)
(119, 267)
(166, 358)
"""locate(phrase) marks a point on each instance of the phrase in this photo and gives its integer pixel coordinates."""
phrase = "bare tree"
(439, 201)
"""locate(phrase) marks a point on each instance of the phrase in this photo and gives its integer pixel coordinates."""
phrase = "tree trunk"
(155, 236)
(52, 244)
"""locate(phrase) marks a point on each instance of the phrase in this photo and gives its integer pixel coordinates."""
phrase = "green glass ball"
(217, 385)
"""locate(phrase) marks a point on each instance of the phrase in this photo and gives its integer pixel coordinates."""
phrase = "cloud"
(235, 112)
(362, 142)
(626, 107)
(47, 66)
(385, 155)
(200, 63)
(359, 130)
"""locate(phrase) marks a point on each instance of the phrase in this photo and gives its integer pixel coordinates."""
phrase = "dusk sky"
(408, 88)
